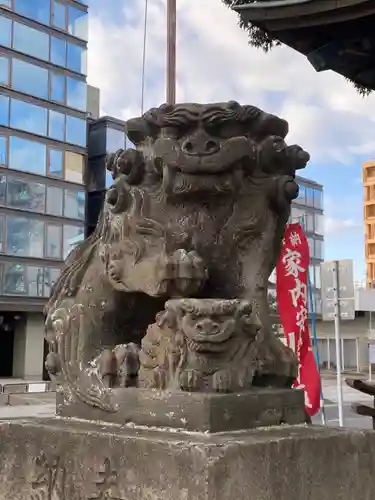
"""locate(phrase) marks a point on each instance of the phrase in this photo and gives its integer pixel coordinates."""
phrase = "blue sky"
(214, 63)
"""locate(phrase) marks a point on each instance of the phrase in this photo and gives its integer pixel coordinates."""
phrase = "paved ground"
(27, 411)
(350, 396)
(46, 407)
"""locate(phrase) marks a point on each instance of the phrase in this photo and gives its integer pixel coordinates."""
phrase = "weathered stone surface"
(206, 345)
(198, 211)
(197, 411)
(72, 460)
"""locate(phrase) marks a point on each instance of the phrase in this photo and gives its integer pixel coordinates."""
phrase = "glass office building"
(106, 135)
(308, 209)
(43, 140)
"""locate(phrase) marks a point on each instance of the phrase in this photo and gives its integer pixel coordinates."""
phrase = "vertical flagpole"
(315, 336)
(316, 345)
(338, 340)
(171, 51)
(144, 58)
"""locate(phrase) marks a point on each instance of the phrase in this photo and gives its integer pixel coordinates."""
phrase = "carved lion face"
(200, 148)
(208, 324)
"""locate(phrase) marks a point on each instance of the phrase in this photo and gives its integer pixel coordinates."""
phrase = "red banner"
(292, 298)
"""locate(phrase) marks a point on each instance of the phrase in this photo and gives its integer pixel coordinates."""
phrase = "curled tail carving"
(84, 383)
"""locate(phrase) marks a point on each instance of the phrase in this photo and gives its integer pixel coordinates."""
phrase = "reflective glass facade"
(308, 209)
(43, 140)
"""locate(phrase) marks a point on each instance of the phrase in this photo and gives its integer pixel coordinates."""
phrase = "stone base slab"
(74, 460)
(197, 411)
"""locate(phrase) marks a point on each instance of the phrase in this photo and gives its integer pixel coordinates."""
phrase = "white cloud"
(333, 225)
(215, 63)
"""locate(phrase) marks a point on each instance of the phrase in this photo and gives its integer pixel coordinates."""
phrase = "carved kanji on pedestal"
(49, 479)
(106, 484)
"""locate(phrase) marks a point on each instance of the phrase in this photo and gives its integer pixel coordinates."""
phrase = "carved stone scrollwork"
(190, 232)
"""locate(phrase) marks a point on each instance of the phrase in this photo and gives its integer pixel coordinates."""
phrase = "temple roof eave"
(282, 10)
(350, 52)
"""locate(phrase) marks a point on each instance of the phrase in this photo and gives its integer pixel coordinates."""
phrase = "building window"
(55, 167)
(57, 87)
(32, 281)
(30, 79)
(72, 236)
(28, 117)
(51, 275)
(3, 151)
(76, 94)
(76, 58)
(318, 305)
(5, 31)
(35, 280)
(24, 236)
(30, 41)
(311, 246)
(296, 214)
(309, 222)
(28, 156)
(56, 126)
(4, 110)
(318, 199)
(77, 23)
(115, 140)
(319, 249)
(26, 195)
(311, 277)
(108, 179)
(4, 70)
(53, 241)
(317, 277)
(14, 279)
(73, 167)
(301, 195)
(58, 51)
(1, 234)
(76, 131)
(38, 10)
(54, 201)
(319, 224)
(74, 204)
(59, 15)
(309, 196)
(3, 191)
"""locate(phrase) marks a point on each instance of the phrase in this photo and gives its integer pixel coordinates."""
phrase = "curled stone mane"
(76, 264)
(148, 125)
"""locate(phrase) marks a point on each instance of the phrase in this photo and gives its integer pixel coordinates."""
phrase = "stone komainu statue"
(197, 211)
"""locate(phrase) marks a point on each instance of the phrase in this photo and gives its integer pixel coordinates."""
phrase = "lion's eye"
(228, 130)
(169, 132)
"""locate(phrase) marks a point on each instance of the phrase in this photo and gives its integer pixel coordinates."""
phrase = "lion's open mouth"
(214, 183)
(206, 165)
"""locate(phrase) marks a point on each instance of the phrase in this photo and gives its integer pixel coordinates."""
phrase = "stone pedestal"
(74, 460)
(195, 411)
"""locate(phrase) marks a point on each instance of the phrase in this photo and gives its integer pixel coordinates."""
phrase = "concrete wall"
(354, 337)
(356, 328)
(29, 347)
